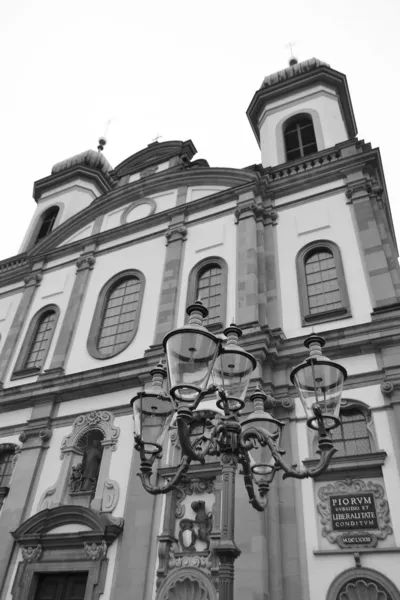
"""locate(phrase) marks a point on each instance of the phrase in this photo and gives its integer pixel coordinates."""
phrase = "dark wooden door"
(61, 586)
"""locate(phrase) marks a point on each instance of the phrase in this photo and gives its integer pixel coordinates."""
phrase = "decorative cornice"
(31, 553)
(95, 551)
(176, 234)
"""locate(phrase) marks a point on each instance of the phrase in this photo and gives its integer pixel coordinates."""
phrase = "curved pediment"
(215, 180)
(44, 522)
(154, 154)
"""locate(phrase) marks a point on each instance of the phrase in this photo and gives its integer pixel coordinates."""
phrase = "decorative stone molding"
(187, 582)
(177, 233)
(387, 388)
(131, 207)
(107, 491)
(248, 208)
(86, 261)
(95, 551)
(188, 488)
(34, 279)
(31, 553)
(40, 430)
(148, 172)
(270, 217)
(198, 561)
(354, 486)
(101, 420)
(361, 583)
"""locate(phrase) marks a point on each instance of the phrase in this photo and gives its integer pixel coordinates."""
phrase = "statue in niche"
(85, 474)
(75, 481)
(203, 520)
(91, 465)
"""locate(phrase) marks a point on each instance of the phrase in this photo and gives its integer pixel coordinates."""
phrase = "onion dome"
(90, 158)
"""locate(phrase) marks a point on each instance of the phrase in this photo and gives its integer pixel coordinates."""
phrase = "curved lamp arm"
(146, 473)
(259, 503)
(325, 446)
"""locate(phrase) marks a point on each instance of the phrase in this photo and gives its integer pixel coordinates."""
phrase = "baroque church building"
(302, 242)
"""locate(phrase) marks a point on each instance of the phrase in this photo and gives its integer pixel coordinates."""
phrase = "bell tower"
(301, 110)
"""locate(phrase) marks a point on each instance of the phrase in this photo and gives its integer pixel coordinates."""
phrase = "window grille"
(352, 436)
(209, 291)
(41, 340)
(119, 316)
(323, 291)
(299, 136)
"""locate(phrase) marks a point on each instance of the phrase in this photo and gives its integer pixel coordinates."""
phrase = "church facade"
(301, 242)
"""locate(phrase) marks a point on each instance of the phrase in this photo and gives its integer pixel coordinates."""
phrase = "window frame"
(193, 279)
(20, 370)
(95, 326)
(294, 119)
(307, 318)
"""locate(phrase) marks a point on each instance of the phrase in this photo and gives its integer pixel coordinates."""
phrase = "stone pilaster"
(25, 477)
(249, 258)
(291, 530)
(32, 282)
(170, 286)
(84, 265)
(273, 305)
(375, 241)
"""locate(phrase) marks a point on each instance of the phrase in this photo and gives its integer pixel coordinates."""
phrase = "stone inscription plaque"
(353, 511)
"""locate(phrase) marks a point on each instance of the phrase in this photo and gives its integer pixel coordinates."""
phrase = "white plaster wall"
(161, 167)
(148, 257)
(121, 460)
(126, 239)
(320, 98)
(55, 288)
(327, 218)
(72, 197)
(201, 191)
(308, 194)
(51, 466)
(98, 402)
(215, 210)
(79, 235)
(14, 417)
(8, 308)
(111, 556)
(9, 596)
(212, 238)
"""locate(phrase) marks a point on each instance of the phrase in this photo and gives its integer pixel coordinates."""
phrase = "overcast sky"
(185, 70)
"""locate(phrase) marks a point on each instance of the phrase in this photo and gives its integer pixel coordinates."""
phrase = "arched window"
(47, 222)
(322, 287)
(7, 454)
(299, 136)
(7, 458)
(352, 435)
(208, 283)
(117, 313)
(37, 341)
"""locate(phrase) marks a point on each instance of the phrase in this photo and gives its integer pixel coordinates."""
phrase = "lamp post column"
(227, 551)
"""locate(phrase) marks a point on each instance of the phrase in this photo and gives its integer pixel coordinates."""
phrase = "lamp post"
(201, 364)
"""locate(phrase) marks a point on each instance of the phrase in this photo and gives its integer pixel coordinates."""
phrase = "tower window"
(299, 137)
(116, 316)
(322, 286)
(47, 224)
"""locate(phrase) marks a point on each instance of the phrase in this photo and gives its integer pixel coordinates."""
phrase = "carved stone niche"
(187, 583)
(64, 540)
(86, 457)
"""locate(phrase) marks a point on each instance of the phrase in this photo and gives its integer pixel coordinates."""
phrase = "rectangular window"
(61, 586)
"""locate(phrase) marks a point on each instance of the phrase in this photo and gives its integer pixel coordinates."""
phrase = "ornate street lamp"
(200, 364)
